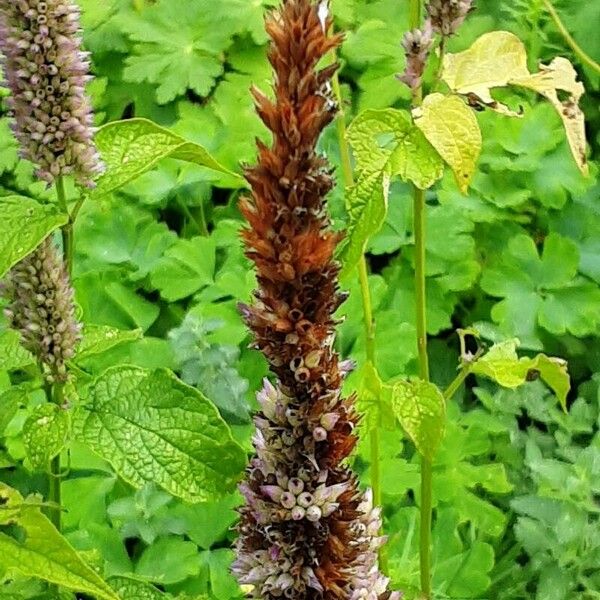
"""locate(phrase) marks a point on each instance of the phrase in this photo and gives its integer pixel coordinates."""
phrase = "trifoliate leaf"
(12, 354)
(45, 434)
(152, 427)
(452, 129)
(40, 551)
(134, 146)
(100, 338)
(25, 224)
(499, 59)
(421, 409)
(387, 141)
(502, 364)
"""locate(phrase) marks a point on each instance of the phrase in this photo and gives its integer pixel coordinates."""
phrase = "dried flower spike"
(306, 530)
(417, 45)
(41, 309)
(446, 16)
(46, 72)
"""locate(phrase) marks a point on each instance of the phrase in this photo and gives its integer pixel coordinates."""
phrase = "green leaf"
(421, 409)
(130, 589)
(169, 560)
(152, 427)
(502, 364)
(387, 141)
(38, 550)
(134, 146)
(366, 202)
(185, 268)
(371, 402)
(452, 129)
(10, 401)
(45, 434)
(25, 224)
(100, 338)
(12, 354)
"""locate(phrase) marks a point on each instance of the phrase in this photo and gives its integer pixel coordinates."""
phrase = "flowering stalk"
(46, 71)
(306, 531)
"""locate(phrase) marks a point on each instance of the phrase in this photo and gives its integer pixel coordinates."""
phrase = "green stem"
(67, 229)
(577, 49)
(369, 323)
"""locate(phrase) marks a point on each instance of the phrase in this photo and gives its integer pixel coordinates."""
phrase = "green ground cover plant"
(464, 155)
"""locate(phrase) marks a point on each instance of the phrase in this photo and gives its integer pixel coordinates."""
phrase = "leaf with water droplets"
(421, 409)
(25, 224)
(151, 427)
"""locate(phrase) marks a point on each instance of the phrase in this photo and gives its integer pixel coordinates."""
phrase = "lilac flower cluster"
(444, 17)
(41, 309)
(46, 71)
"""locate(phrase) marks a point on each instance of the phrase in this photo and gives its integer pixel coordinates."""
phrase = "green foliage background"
(517, 482)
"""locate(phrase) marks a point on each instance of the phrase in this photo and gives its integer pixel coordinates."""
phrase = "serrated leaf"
(100, 338)
(25, 224)
(421, 409)
(12, 354)
(45, 434)
(499, 59)
(502, 364)
(366, 203)
(387, 141)
(129, 589)
(451, 128)
(152, 427)
(38, 550)
(134, 146)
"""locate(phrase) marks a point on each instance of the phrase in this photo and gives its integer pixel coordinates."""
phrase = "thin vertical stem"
(369, 323)
(421, 326)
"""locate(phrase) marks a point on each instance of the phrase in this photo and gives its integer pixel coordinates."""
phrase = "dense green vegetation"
(516, 479)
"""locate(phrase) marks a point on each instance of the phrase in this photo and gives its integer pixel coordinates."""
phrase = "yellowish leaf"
(451, 128)
(499, 59)
(560, 75)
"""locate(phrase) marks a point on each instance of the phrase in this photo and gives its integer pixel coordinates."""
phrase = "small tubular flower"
(306, 530)
(46, 72)
(417, 45)
(41, 309)
(446, 16)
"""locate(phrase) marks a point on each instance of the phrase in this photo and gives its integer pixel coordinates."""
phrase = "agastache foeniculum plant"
(46, 72)
(306, 529)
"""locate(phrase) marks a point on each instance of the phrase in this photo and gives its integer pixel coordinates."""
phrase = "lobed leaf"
(132, 147)
(421, 409)
(39, 550)
(451, 128)
(25, 224)
(151, 427)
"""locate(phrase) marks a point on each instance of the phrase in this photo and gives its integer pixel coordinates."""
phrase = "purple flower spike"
(46, 72)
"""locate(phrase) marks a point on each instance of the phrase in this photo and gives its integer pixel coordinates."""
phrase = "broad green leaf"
(371, 399)
(25, 224)
(12, 354)
(387, 141)
(131, 589)
(152, 427)
(169, 560)
(10, 401)
(498, 59)
(134, 146)
(186, 267)
(41, 551)
(502, 364)
(366, 202)
(45, 434)
(100, 338)
(421, 409)
(451, 128)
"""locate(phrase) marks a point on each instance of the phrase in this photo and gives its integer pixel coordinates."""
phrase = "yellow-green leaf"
(451, 128)
(41, 551)
(421, 409)
(502, 364)
(499, 59)
(45, 434)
